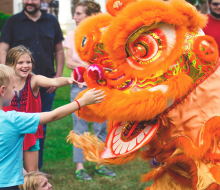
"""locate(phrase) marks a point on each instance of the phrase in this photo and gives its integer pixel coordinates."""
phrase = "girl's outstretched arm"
(41, 81)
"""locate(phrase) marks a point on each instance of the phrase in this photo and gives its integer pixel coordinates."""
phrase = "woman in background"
(83, 10)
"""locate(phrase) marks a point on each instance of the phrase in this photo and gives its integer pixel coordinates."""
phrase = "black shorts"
(9, 188)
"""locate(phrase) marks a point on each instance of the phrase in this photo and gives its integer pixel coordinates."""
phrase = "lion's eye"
(145, 46)
(84, 41)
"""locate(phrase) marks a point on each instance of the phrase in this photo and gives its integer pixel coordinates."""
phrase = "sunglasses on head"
(215, 4)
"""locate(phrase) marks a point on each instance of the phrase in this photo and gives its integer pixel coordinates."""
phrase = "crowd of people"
(30, 42)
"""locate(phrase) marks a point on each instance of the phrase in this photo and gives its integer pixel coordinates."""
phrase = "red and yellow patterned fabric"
(162, 84)
(27, 102)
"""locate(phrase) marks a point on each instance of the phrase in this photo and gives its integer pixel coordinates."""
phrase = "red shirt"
(27, 102)
(213, 29)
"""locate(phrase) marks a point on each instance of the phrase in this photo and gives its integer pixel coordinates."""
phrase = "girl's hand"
(92, 97)
(72, 81)
(81, 84)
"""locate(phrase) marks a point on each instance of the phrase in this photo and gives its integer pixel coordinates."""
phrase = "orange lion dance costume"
(163, 91)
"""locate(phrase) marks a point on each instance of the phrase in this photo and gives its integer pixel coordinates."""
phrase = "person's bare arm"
(38, 81)
(69, 60)
(59, 55)
(90, 97)
(42, 81)
(4, 47)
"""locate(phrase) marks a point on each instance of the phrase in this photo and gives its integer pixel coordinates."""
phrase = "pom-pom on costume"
(162, 95)
(78, 73)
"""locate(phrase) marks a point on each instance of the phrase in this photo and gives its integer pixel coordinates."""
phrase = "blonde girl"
(27, 97)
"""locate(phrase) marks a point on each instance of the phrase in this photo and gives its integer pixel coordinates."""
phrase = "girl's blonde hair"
(14, 54)
(31, 181)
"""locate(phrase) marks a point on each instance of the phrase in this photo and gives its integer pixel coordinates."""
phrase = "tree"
(3, 18)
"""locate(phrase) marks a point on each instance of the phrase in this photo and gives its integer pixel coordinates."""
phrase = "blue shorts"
(36, 147)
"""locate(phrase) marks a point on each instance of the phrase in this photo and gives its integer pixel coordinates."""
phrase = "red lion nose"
(95, 72)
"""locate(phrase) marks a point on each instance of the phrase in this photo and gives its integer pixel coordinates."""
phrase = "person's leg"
(31, 161)
(31, 157)
(56, 12)
(79, 126)
(47, 103)
(40, 160)
(100, 130)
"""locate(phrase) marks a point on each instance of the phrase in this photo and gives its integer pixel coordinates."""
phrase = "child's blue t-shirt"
(13, 127)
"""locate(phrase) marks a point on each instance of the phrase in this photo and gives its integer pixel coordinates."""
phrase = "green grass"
(58, 158)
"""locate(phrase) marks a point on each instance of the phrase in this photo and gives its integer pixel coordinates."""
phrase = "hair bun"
(91, 7)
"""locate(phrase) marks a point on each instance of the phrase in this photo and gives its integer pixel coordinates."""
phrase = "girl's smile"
(24, 66)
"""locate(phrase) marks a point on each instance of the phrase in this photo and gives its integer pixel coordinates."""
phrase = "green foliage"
(58, 158)
(3, 18)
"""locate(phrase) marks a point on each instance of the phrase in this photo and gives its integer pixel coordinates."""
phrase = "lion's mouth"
(126, 137)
